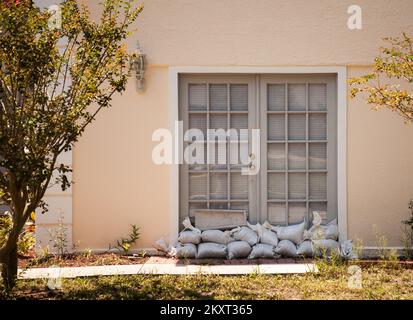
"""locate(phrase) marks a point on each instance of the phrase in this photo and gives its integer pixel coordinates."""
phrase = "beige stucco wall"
(116, 183)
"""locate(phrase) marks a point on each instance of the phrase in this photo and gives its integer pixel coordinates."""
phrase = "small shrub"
(59, 237)
(124, 244)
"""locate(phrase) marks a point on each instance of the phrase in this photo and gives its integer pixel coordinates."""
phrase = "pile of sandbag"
(320, 239)
(257, 241)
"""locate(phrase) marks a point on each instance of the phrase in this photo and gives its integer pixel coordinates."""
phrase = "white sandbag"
(255, 227)
(190, 234)
(189, 237)
(329, 231)
(265, 233)
(293, 233)
(262, 251)
(269, 237)
(305, 249)
(211, 250)
(185, 251)
(286, 248)
(238, 249)
(325, 247)
(245, 234)
(346, 250)
(161, 245)
(188, 225)
(217, 236)
(319, 231)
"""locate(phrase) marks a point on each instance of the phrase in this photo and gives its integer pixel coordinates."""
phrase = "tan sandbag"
(326, 247)
(319, 231)
(238, 250)
(293, 233)
(305, 249)
(286, 248)
(183, 251)
(217, 236)
(186, 237)
(261, 250)
(211, 250)
(245, 234)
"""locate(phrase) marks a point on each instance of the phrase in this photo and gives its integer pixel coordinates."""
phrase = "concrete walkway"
(150, 268)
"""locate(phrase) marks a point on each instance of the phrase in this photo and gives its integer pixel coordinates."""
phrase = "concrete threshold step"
(149, 268)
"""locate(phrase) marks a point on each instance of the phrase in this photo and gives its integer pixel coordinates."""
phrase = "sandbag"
(305, 249)
(211, 250)
(269, 237)
(346, 250)
(318, 231)
(325, 247)
(286, 248)
(238, 249)
(186, 237)
(188, 225)
(216, 236)
(265, 234)
(262, 251)
(245, 234)
(161, 245)
(293, 233)
(184, 251)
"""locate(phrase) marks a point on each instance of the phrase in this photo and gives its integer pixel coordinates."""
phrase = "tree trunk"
(9, 270)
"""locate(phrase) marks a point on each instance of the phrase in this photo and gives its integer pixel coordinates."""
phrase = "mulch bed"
(80, 260)
(83, 260)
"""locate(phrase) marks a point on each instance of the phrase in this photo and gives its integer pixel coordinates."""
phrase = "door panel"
(298, 147)
(222, 103)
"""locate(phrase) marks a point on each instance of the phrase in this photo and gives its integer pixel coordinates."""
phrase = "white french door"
(296, 115)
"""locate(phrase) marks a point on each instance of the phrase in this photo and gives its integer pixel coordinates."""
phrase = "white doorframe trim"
(340, 71)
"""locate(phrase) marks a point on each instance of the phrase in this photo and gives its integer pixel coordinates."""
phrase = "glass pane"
(218, 97)
(276, 213)
(318, 127)
(276, 97)
(296, 97)
(197, 121)
(219, 205)
(276, 127)
(217, 155)
(297, 212)
(296, 127)
(276, 156)
(276, 186)
(220, 125)
(196, 206)
(197, 155)
(198, 186)
(197, 97)
(239, 122)
(239, 154)
(219, 185)
(321, 208)
(239, 97)
(296, 156)
(317, 97)
(318, 186)
(318, 156)
(296, 186)
(239, 186)
(239, 206)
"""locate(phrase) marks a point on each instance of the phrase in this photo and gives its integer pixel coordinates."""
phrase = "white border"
(340, 71)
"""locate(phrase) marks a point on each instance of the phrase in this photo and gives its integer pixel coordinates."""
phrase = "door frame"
(339, 71)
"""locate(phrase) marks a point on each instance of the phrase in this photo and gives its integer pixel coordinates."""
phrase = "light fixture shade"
(138, 65)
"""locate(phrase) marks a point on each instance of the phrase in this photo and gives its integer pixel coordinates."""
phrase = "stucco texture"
(116, 183)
